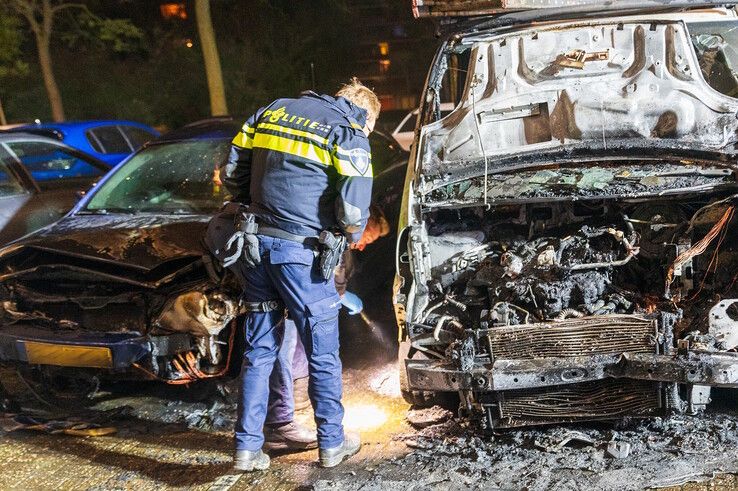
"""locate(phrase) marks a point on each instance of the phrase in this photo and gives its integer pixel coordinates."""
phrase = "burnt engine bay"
(557, 312)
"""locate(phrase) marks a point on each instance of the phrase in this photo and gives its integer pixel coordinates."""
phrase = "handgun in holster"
(332, 246)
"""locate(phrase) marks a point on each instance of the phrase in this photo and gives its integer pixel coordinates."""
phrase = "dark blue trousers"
(287, 272)
(281, 408)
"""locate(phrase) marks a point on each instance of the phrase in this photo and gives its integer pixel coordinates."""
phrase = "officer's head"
(363, 97)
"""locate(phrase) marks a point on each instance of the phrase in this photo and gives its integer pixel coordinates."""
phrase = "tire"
(419, 399)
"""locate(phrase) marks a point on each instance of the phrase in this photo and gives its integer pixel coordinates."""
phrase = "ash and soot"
(658, 453)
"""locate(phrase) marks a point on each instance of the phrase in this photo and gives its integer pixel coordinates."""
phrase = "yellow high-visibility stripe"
(357, 126)
(249, 130)
(242, 140)
(342, 163)
(292, 131)
(346, 168)
(306, 150)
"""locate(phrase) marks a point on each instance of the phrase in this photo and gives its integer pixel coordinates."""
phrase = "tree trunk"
(3, 120)
(218, 106)
(44, 59)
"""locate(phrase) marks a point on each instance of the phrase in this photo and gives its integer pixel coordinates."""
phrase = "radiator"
(601, 400)
(606, 335)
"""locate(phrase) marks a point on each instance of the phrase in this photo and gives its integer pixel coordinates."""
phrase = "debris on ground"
(442, 453)
(214, 417)
(561, 438)
(618, 450)
(618, 456)
(94, 425)
(421, 418)
(386, 381)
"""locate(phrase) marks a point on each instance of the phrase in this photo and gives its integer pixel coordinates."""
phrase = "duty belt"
(278, 233)
(263, 307)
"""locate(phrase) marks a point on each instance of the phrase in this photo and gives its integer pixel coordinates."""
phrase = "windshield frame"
(580, 155)
(81, 207)
(582, 162)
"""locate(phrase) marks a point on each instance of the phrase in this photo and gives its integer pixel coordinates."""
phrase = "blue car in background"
(110, 141)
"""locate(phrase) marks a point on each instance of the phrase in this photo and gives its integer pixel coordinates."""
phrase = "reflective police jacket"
(304, 165)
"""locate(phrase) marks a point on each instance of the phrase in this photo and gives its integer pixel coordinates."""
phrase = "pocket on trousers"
(292, 254)
(323, 320)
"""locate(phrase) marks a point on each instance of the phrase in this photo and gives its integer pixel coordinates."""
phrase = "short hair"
(362, 96)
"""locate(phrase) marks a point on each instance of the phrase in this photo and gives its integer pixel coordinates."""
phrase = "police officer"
(303, 167)
(281, 432)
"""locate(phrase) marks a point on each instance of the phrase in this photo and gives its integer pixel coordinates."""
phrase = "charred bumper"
(596, 368)
(687, 367)
(116, 351)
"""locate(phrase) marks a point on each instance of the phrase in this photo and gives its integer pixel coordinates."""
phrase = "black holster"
(332, 246)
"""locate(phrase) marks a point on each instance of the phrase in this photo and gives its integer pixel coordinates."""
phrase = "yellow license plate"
(68, 356)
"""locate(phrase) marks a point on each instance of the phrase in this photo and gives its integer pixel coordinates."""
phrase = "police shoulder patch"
(360, 160)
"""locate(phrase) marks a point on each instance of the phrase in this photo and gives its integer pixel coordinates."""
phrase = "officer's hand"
(251, 255)
(352, 302)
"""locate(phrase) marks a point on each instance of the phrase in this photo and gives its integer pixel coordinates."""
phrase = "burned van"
(568, 245)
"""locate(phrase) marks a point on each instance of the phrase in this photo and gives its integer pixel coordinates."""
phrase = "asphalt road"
(180, 438)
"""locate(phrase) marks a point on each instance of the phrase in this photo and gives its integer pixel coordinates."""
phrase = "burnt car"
(122, 287)
(568, 247)
(41, 179)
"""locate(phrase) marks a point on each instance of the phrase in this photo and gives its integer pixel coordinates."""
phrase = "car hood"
(617, 85)
(138, 243)
(518, 11)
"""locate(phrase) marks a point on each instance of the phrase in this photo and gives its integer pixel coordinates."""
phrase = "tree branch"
(47, 19)
(64, 6)
(27, 8)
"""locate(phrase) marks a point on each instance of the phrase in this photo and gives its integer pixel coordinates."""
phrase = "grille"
(127, 317)
(98, 315)
(96, 306)
(610, 334)
(601, 400)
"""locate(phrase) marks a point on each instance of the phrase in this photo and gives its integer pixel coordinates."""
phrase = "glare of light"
(384, 65)
(189, 43)
(173, 10)
(363, 417)
(386, 381)
(384, 49)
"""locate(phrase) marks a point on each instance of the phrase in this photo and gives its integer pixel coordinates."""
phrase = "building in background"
(394, 51)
